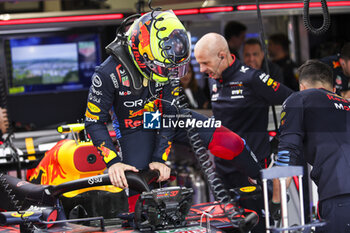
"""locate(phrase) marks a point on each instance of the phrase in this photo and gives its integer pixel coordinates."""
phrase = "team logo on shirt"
(236, 84)
(283, 114)
(91, 116)
(94, 91)
(265, 78)
(215, 88)
(123, 77)
(114, 80)
(215, 97)
(176, 91)
(93, 107)
(336, 64)
(244, 69)
(124, 93)
(94, 98)
(96, 81)
(107, 154)
(237, 94)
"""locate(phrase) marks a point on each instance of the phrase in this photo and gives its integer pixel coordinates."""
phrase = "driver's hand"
(4, 122)
(164, 170)
(117, 176)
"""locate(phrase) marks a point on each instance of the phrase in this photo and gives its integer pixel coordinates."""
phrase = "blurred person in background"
(322, 141)
(254, 56)
(278, 49)
(340, 65)
(195, 95)
(235, 33)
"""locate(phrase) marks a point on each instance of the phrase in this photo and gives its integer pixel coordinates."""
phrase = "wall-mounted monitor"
(38, 64)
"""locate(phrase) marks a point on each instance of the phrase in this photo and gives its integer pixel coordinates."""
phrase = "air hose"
(326, 18)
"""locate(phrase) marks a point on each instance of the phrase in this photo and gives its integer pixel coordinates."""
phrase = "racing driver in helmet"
(133, 82)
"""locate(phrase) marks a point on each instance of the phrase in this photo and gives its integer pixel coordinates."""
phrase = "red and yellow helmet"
(159, 45)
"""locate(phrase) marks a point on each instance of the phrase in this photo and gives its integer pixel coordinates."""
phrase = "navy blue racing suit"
(341, 81)
(110, 94)
(315, 126)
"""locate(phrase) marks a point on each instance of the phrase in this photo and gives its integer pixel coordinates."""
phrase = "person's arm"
(268, 88)
(99, 103)
(165, 135)
(291, 131)
(291, 139)
(100, 100)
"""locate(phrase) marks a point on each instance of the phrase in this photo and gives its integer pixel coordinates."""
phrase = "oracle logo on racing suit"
(131, 104)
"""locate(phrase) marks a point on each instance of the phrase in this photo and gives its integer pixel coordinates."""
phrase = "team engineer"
(315, 123)
(240, 99)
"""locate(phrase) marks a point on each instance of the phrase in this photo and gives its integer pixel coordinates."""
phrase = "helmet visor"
(177, 47)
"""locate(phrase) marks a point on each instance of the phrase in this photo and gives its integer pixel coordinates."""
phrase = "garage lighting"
(186, 12)
(62, 19)
(215, 9)
(290, 5)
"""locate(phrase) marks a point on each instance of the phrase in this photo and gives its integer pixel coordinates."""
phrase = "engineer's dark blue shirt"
(241, 100)
(316, 123)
